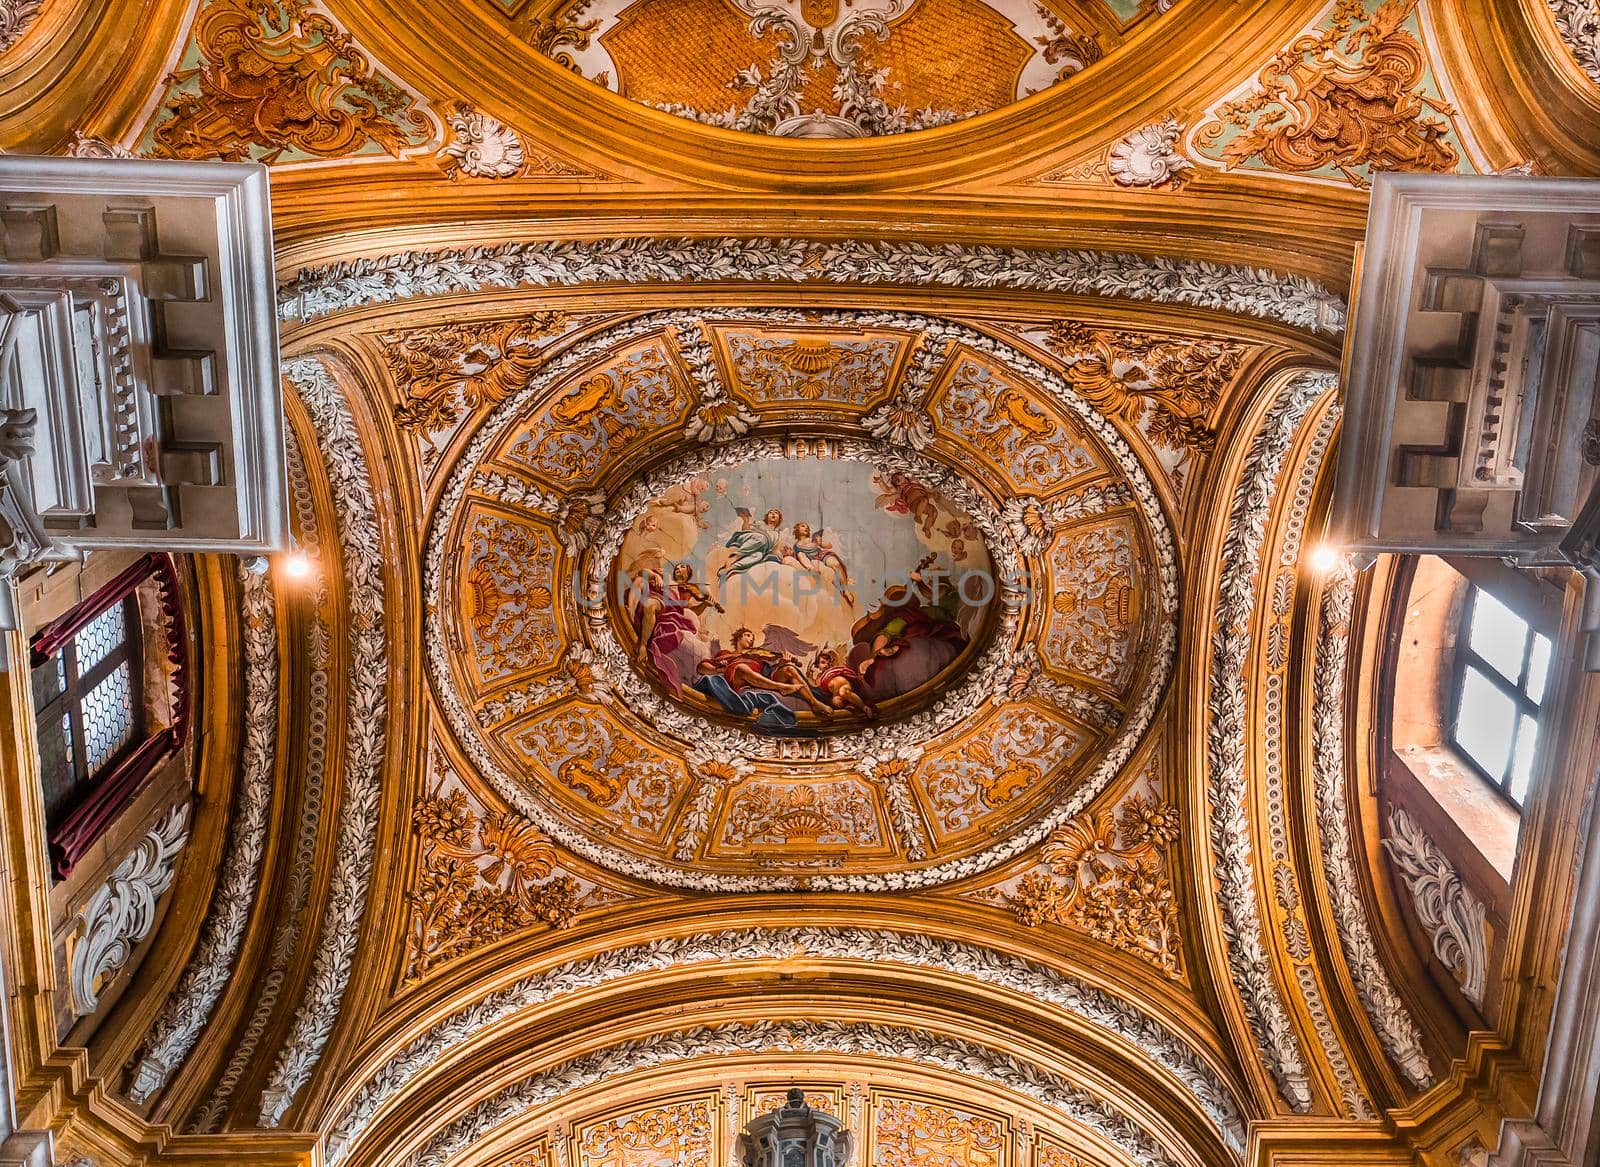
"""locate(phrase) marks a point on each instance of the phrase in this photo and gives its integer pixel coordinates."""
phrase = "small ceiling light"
(1324, 558)
(297, 565)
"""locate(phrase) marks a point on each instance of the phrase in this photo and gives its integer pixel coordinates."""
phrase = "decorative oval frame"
(543, 811)
(953, 705)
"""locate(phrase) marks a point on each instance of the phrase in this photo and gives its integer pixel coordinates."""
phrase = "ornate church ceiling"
(792, 609)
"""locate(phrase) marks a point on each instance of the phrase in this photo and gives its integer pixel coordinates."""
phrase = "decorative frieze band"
(1245, 291)
(1227, 739)
(1396, 1029)
(1122, 1130)
(1578, 22)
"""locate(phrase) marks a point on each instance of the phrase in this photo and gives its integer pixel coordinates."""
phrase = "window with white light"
(1502, 668)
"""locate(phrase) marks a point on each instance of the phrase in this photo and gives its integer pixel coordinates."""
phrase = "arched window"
(110, 701)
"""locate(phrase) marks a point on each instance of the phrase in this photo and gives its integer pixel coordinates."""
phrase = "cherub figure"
(899, 494)
(813, 552)
(686, 500)
(839, 684)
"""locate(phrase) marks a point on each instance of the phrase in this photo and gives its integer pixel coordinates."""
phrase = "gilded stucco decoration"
(1355, 94)
(923, 1126)
(360, 544)
(822, 69)
(1106, 873)
(1287, 905)
(15, 18)
(1227, 740)
(1234, 288)
(1395, 1026)
(320, 761)
(1578, 22)
(444, 373)
(746, 661)
(281, 82)
(893, 1120)
(485, 874)
(177, 1027)
(633, 751)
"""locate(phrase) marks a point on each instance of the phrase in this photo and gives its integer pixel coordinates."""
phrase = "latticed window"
(86, 697)
(98, 739)
(1502, 669)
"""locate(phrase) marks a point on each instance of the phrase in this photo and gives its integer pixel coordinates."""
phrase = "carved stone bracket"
(1451, 915)
(123, 911)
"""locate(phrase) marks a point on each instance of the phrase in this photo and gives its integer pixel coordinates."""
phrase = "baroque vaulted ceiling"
(994, 768)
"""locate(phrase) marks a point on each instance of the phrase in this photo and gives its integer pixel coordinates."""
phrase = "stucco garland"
(888, 1042)
(1227, 741)
(1578, 22)
(312, 736)
(187, 1009)
(529, 802)
(1279, 585)
(1116, 1017)
(366, 723)
(1245, 291)
(1397, 1031)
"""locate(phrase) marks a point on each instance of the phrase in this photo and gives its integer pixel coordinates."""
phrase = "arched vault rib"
(473, 1099)
(367, 728)
(1124, 1025)
(1269, 906)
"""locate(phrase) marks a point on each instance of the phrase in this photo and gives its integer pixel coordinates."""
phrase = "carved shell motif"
(485, 147)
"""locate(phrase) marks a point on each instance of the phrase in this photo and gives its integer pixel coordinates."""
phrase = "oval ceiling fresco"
(796, 596)
(828, 68)
(761, 599)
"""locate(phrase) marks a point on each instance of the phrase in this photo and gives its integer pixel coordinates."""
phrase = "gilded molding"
(279, 81)
(1112, 1015)
(1354, 95)
(366, 722)
(1453, 917)
(122, 910)
(1245, 291)
(1227, 738)
(313, 735)
(895, 1043)
(1397, 1030)
(189, 1007)
(1278, 589)
(1578, 22)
